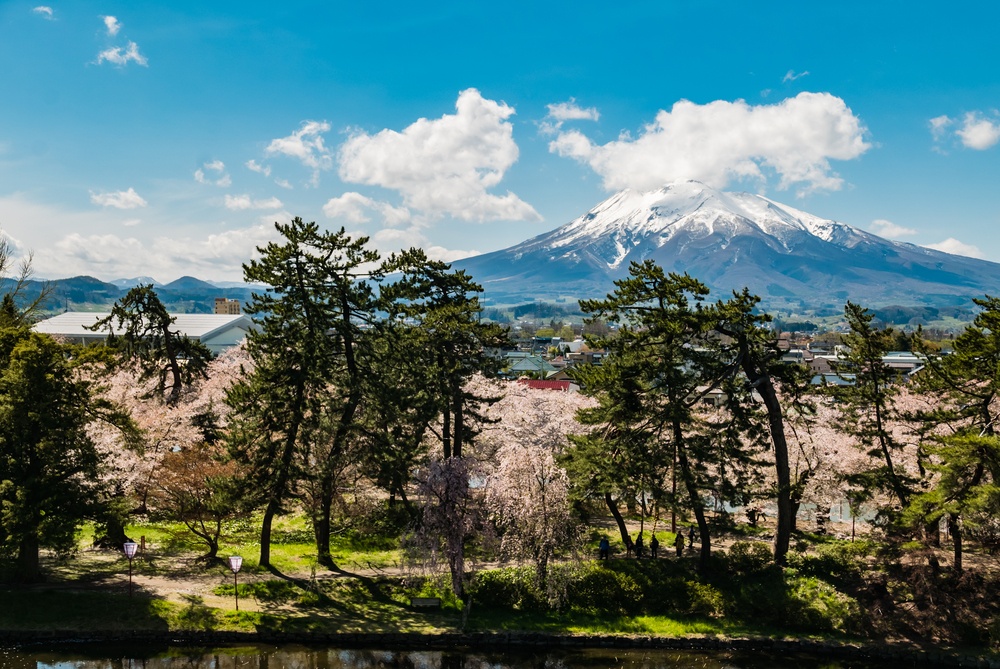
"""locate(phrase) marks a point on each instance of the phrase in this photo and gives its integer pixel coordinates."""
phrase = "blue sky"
(164, 140)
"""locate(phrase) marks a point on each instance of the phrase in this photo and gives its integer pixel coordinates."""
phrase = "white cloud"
(561, 112)
(570, 111)
(217, 256)
(222, 179)
(939, 126)
(444, 166)
(305, 144)
(284, 183)
(131, 222)
(44, 12)
(123, 199)
(792, 76)
(243, 202)
(952, 245)
(121, 57)
(254, 166)
(977, 132)
(358, 208)
(890, 230)
(390, 240)
(112, 24)
(722, 141)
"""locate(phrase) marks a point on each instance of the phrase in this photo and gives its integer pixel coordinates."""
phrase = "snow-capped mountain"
(728, 241)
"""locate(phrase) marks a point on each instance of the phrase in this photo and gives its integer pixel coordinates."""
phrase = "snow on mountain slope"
(729, 240)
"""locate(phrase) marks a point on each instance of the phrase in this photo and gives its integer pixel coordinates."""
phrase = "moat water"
(293, 657)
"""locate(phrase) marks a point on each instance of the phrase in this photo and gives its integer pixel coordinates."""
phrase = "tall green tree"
(867, 404)
(295, 411)
(666, 360)
(141, 330)
(760, 360)
(961, 432)
(442, 305)
(49, 464)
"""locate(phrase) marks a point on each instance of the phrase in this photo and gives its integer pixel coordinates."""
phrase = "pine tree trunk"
(687, 477)
(265, 534)
(956, 540)
(622, 528)
(28, 566)
(322, 523)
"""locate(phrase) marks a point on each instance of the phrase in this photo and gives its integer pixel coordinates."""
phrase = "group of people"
(654, 545)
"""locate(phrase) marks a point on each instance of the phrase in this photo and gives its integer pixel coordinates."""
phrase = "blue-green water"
(290, 657)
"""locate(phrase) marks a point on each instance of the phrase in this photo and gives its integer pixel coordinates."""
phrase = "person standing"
(654, 545)
(604, 548)
(638, 546)
(679, 543)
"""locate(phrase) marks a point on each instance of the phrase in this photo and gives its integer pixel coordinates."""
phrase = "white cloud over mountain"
(444, 166)
(890, 230)
(952, 245)
(723, 141)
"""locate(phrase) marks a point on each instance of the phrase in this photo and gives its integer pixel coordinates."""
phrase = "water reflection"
(312, 658)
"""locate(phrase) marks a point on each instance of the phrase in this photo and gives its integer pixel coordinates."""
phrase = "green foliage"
(514, 588)
(603, 590)
(49, 464)
(139, 328)
(815, 605)
(749, 558)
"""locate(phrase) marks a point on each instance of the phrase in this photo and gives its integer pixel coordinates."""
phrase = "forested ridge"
(368, 401)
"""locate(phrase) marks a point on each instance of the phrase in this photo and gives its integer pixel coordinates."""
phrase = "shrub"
(508, 588)
(606, 590)
(749, 557)
(815, 605)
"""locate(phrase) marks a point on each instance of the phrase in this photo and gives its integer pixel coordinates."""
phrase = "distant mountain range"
(85, 293)
(728, 241)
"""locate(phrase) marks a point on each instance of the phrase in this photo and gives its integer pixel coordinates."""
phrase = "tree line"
(364, 369)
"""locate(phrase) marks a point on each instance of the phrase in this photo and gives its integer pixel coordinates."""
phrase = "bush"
(604, 590)
(514, 588)
(748, 558)
(817, 606)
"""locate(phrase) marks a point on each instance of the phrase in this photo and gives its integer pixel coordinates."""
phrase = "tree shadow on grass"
(196, 615)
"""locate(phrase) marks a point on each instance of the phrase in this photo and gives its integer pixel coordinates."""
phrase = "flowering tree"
(527, 492)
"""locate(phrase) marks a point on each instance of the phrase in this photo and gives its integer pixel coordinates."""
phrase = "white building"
(216, 331)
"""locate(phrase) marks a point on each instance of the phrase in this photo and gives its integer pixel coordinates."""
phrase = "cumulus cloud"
(121, 57)
(358, 208)
(218, 255)
(112, 24)
(723, 141)
(977, 132)
(284, 183)
(243, 202)
(390, 240)
(952, 245)
(306, 145)
(890, 230)
(791, 75)
(254, 166)
(560, 112)
(220, 177)
(44, 12)
(443, 166)
(122, 199)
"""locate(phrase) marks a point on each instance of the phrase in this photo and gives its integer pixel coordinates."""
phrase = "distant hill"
(85, 293)
(729, 241)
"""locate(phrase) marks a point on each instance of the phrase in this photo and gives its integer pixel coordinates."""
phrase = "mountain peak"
(729, 241)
